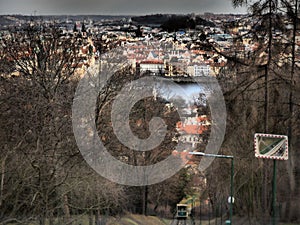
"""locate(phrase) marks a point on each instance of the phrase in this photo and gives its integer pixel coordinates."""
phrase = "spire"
(83, 27)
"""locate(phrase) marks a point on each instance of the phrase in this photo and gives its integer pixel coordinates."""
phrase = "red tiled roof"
(193, 128)
(152, 62)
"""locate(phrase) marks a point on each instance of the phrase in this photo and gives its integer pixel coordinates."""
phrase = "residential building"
(155, 67)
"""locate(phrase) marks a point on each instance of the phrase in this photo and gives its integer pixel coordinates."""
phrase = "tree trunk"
(145, 200)
(42, 219)
(2, 180)
(51, 219)
(91, 218)
(291, 161)
(265, 176)
(97, 217)
(67, 218)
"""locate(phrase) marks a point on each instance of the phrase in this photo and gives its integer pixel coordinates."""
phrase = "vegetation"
(171, 22)
(43, 174)
(262, 96)
(44, 177)
(177, 22)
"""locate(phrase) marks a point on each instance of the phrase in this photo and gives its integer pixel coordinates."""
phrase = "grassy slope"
(136, 220)
(145, 220)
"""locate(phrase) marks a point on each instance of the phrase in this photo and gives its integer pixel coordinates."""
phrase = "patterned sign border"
(259, 155)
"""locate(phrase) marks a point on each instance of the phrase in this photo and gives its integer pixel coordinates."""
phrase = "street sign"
(271, 146)
(229, 199)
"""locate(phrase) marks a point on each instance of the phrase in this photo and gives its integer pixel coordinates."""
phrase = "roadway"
(181, 222)
(273, 149)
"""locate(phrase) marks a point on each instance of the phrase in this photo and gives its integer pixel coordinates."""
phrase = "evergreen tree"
(83, 29)
(75, 28)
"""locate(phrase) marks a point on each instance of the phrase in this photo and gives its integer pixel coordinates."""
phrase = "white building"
(192, 139)
(155, 67)
(198, 70)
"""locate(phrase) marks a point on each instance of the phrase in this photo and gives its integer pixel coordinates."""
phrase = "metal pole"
(222, 211)
(274, 192)
(209, 212)
(231, 176)
(231, 189)
(216, 214)
(211, 155)
(200, 209)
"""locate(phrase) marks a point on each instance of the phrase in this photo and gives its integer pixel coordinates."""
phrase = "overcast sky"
(116, 7)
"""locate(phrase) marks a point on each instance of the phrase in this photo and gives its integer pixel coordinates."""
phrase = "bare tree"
(40, 154)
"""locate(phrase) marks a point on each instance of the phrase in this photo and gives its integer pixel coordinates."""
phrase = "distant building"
(198, 70)
(155, 67)
(191, 139)
(191, 129)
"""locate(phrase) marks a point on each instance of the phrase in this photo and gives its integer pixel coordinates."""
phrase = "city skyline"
(116, 7)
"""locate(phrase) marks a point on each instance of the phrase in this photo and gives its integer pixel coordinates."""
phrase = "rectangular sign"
(271, 146)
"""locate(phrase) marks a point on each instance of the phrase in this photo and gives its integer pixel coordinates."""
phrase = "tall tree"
(40, 163)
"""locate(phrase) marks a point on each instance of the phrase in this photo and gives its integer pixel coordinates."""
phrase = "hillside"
(172, 22)
(129, 219)
(137, 220)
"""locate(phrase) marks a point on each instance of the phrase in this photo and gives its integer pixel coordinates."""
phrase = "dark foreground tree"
(39, 157)
(262, 97)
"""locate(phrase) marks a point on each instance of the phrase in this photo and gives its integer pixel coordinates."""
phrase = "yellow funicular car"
(182, 211)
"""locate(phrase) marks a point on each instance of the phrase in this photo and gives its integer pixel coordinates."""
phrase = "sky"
(116, 7)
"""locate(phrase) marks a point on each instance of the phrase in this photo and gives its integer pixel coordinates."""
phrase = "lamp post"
(230, 200)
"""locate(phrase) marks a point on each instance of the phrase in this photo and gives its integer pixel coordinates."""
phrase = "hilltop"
(172, 22)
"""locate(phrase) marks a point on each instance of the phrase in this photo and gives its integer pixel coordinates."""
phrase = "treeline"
(43, 176)
(171, 23)
(261, 89)
(182, 22)
(157, 19)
